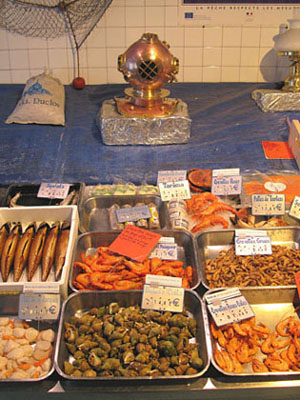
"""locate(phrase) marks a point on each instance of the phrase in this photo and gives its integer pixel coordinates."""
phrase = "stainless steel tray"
(87, 243)
(9, 306)
(78, 303)
(210, 243)
(270, 305)
(94, 215)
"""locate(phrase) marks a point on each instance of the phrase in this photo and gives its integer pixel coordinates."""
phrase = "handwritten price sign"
(268, 204)
(53, 190)
(228, 306)
(174, 190)
(163, 298)
(295, 208)
(226, 182)
(252, 245)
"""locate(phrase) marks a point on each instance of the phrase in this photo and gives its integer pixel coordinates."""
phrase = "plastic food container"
(26, 216)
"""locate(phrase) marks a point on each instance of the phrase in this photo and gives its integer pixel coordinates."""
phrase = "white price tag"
(163, 280)
(268, 204)
(226, 182)
(53, 190)
(39, 306)
(252, 243)
(171, 176)
(133, 213)
(228, 306)
(174, 190)
(163, 298)
(165, 251)
(295, 208)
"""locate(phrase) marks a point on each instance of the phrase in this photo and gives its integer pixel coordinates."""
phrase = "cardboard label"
(171, 176)
(133, 213)
(226, 185)
(135, 242)
(53, 190)
(277, 150)
(163, 298)
(268, 204)
(174, 190)
(228, 306)
(39, 306)
(295, 208)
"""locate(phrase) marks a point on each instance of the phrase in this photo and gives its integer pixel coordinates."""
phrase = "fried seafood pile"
(238, 344)
(25, 353)
(277, 269)
(108, 271)
(128, 341)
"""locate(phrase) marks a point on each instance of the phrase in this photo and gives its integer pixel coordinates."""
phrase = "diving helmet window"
(148, 70)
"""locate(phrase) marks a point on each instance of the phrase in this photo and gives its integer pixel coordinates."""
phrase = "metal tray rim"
(188, 234)
(124, 378)
(200, 270)
(246, 374)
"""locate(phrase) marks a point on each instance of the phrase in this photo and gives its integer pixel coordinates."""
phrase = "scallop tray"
(78, 303)
(9, 306)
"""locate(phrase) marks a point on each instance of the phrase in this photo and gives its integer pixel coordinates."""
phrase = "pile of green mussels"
(114, 341)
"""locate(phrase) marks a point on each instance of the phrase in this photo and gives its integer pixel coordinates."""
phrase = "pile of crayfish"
(246, 342)
(109, 271)
(207, 211)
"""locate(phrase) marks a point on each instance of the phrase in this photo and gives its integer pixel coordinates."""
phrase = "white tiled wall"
(207, 54)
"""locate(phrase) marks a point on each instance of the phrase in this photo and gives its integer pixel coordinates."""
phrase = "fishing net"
(52, 18)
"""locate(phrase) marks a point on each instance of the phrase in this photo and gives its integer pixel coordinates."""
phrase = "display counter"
(226, 132)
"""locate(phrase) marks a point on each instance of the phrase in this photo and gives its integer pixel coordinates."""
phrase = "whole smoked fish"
(22, 251)
(49, 250)
(36, 249)
(4, 232)
(9, 250)
(61, 249)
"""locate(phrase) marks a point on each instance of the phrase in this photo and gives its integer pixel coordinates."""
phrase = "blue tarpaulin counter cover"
(226, 132)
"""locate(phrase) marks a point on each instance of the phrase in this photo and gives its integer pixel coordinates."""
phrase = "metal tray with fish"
(219, 267)
(27, 352)
(98, 214)
(87, 244)
(102, 310)
(266, 344)
(36, 247)
(24, 195)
